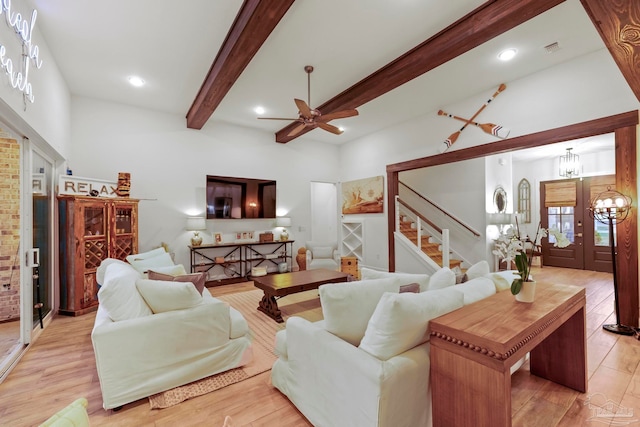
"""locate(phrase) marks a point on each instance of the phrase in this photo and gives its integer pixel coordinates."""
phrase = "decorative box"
(266, 237)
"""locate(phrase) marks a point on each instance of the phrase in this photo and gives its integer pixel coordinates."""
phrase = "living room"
(168, 162)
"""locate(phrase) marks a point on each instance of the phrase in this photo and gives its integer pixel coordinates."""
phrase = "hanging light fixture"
(569, 164)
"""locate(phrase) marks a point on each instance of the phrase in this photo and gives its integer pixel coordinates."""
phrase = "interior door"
(561, 208)
(597, 252)
(565, 206)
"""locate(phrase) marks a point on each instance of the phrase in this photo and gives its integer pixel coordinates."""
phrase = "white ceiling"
(98, 44)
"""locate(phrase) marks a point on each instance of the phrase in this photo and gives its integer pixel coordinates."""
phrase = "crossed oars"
(490, 126)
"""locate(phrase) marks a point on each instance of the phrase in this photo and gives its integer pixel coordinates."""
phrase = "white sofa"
(153, 335)
(367, 363)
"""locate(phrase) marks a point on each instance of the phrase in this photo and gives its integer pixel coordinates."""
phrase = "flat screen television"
(237, 198)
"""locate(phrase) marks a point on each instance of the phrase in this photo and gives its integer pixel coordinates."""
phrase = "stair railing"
(419, 220)
(442, 210)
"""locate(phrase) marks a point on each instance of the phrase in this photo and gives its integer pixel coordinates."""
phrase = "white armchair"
(322, 255)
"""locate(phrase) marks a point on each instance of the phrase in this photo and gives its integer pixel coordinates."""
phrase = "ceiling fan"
(312, 118)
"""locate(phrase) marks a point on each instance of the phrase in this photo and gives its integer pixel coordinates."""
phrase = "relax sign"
(77, 186)
(18, 72)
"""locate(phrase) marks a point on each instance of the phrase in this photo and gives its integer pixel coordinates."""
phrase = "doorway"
(564, 205)
(324, 208)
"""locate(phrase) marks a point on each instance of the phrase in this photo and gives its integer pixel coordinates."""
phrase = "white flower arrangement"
(510, 247)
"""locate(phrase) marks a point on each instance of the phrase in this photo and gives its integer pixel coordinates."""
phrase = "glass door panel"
(42, 197)
(10, 233)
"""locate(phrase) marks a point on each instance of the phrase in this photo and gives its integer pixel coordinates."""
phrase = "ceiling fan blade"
(296, 130)
(329, 128)
(337, 115)
(276, 118)
(304, 109)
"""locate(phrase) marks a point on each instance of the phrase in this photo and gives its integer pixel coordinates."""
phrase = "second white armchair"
(322, 255)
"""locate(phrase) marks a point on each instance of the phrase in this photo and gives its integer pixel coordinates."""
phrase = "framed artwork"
(218, 238)
(244, 235)
(363, 196)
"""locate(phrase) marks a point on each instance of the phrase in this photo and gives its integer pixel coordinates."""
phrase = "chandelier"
(569, 164)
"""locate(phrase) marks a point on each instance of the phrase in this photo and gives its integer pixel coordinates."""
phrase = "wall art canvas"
(363, 196)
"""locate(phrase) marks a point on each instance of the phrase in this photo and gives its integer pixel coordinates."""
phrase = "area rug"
(263, 331)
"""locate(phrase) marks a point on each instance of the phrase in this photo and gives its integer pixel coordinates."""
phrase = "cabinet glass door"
(123, 241)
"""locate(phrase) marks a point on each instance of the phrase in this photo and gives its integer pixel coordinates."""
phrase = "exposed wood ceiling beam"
(253, 24)
(618, 23)
(478, 27)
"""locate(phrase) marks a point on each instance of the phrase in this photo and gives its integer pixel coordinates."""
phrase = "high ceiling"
(171, 45)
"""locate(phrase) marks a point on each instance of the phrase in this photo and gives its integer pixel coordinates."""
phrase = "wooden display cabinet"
(91, 230)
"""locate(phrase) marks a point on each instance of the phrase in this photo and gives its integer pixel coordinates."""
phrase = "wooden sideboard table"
(473, 349)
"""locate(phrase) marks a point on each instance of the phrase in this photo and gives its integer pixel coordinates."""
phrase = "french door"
(565, 206)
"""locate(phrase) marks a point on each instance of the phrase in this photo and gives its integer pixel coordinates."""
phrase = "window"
(562, 218)
(524, 200)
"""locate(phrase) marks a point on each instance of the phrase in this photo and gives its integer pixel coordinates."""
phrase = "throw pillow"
(168, 296)
(406, 278)
(119, 296)
(198, 279)
(411, 287)
(145, 264)
(173, 270)
(400, 321)
(73, 415)
(503, 279)
(322, 252)
(347, 307)
(442, 278)
(145, 255)
(478, 269)
(476, 289)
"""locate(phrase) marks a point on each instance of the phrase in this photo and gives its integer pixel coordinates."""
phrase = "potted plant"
(511, 247)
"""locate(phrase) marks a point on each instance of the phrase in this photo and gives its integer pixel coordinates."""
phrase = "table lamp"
(283, 221)
(195, 224)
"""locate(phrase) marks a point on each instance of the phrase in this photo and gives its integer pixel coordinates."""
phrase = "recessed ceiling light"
(507, 54)
(259, 110)
(136, 81)
(341, 128)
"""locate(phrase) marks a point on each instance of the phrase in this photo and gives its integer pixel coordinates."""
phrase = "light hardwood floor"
(60, 367)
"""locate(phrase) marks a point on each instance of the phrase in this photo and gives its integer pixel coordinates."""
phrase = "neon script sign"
(19, 75)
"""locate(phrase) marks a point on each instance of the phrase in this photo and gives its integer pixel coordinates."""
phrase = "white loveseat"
(153, 335)
(367, 363)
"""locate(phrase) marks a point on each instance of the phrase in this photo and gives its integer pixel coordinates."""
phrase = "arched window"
(524, 200)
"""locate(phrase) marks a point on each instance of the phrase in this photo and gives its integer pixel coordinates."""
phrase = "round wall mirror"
(500, 200)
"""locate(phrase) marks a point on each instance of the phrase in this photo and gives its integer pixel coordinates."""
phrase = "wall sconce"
(569, 164)
(253, 205)
(611, 207)
(283, 221)
(195, 224)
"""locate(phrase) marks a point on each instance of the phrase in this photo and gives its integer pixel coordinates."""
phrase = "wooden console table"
(473, 349)
(236, 259)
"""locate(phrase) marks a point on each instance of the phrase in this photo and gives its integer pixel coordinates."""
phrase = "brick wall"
(9, 229)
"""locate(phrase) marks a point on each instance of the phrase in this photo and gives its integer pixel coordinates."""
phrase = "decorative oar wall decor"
(496, 130)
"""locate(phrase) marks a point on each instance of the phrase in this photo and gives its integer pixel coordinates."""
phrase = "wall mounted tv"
(237, 198)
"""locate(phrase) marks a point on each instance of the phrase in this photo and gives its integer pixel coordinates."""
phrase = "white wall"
(586, 88)
(169, 163)
(46, 121)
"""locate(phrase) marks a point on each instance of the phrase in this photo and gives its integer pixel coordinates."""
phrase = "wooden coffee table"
(276, 286)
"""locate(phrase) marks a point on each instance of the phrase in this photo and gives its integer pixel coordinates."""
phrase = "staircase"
(431, 249)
